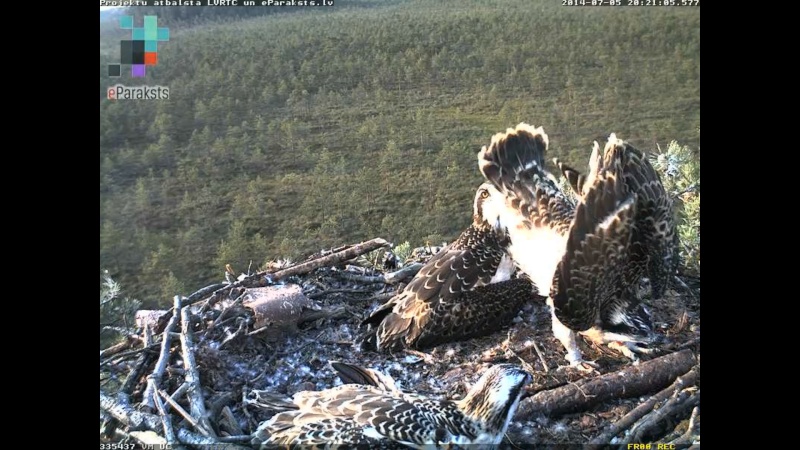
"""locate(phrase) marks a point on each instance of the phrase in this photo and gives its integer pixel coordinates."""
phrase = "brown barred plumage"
(373, 416)
(591, 255)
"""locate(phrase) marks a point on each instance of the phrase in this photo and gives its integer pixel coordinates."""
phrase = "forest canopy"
(294, 131)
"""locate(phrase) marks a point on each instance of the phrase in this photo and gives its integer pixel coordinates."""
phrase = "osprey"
(588, 254)
(464, 291)
(369, 414)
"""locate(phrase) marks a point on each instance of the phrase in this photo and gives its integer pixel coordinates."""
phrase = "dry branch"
(692, 431)
(163, 358)
(166, 421)
(339, 291)
(680, 403)
(383, 297)
(637, 413)
(632, 381)
(179, 409)
(131, 380)
(327, 260)
(400, 275)
(129, 341)
(388, 278)
(137, 420)
(195, 393)
(215, 292)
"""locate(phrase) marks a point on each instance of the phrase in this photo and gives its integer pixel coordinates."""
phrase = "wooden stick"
(687, 379)
(389, 278)
(383, 297)
(180, 391)
(129, 341)
(541, 356)
(691, 433)
(137, 420)
(631, 381)
(400, 275)
(109, 425)
(179, 409)
(163, 357)
(339, 291)
(166, 421)
(327, 260)
(678, 404)
(195, 394)
(368, 279)
(230, 421)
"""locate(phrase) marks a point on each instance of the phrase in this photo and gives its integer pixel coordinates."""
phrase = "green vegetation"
(292, 132)
(679, 168)
(116, 312)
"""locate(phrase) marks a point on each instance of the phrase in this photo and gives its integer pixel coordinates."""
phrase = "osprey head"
(493, 400)
(488, 206)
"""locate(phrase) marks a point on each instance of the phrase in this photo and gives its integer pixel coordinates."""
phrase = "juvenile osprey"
(590, 254)
(464, 291)
(374, 417)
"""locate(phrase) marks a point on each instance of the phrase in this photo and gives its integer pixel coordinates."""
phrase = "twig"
(195, 394)
(691, 433)
(541, 356)
(687, 379)
(119, 357)
(129, 341)
(179, 409)
(677, 404)
(328, 260)
(339, 291)
(225, 315)
(688, 344)
(137, 420)
(230, 422)
(163, 357)
(216, 405)
(109, 425)
(237, 438)
(180, 391)
(369, 279)
(212, 291)
(204, 292)
(383, 297)
(389, 278)
(400, 275)
(632, 381)
(507, 347)
(241, 331)
(138, 370)
(169, 433)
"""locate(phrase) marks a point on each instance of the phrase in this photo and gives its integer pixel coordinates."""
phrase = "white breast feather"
(504, 270)
(537, 251)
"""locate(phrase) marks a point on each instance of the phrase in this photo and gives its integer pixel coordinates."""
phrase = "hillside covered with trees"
(294, 131)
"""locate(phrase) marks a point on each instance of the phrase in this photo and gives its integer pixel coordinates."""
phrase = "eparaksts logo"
(121, 92)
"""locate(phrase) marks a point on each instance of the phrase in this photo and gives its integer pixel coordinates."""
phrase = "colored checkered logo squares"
(141, 50)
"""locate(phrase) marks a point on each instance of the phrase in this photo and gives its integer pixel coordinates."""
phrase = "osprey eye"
(484, 193)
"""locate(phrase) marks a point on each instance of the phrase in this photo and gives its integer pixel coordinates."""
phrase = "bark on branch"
(389, 278)
(137, 420)
(631, 381)
(327, 260)
(195, 393)
(163, 358)
(637, 413)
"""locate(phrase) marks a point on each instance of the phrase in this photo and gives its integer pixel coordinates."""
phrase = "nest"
(190, 374)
